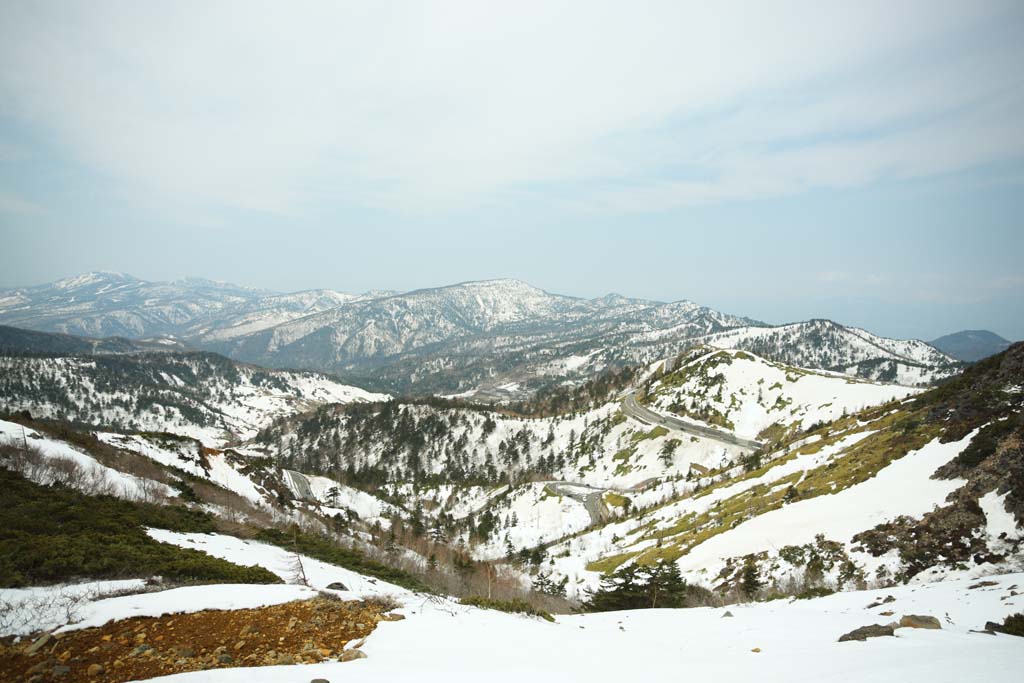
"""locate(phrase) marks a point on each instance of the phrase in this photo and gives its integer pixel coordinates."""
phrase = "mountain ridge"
(501, 338)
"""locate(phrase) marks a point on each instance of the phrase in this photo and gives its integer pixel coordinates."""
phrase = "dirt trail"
(144, 647)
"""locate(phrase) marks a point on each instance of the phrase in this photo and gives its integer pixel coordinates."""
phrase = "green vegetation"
(328, 551)
(643, 587)
(1013, 625)
(622, 458)
(610, 563)
(50, 534)
(617, 500)
(510, 606)
(658, 431)
(895, 435)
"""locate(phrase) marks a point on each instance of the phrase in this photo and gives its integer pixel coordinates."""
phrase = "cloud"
(441, 105)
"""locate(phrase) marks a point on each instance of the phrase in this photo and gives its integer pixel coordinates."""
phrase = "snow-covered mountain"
(196, 394)
(493, 339)
(103, 304)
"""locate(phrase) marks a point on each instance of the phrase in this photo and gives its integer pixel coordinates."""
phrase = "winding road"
(301, 485)
(593, 501)
(635, 410)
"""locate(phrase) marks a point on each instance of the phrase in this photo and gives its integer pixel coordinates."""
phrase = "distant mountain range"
(490, 339)
(971, 345)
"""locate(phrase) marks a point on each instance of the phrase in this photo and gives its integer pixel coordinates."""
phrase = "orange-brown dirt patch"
(298, 632)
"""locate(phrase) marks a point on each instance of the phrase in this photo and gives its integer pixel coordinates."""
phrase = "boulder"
(727, 614)
(94, 670)
(919, 621)
(865, 632)
(337, 586)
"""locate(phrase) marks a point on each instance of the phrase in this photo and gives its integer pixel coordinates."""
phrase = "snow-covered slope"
(759, 399)
(831, 346)
(195, 394)
(919, 490)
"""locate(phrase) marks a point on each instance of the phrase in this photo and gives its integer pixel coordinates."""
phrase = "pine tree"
(750, 582)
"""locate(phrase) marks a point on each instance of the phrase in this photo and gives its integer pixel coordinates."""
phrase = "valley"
(704, 464)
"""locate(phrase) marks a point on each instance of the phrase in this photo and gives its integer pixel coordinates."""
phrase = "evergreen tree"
(750, 582)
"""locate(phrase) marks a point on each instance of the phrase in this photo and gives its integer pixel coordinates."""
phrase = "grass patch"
(607, 565)
(653, 434)
(616, 499)
(622, 458)
(510, 606)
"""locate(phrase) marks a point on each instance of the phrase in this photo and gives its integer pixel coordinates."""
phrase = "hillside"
(827, 345)
(18, 340)
(194, 394)
(971, 345)
(923, 488)
(759, 399)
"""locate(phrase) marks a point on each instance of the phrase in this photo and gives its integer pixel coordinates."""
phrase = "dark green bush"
(50, 534)
(1014, 625)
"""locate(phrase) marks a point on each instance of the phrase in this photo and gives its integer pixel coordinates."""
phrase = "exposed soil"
(298, 632)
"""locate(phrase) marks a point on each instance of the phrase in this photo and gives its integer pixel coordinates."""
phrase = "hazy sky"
(862, 161)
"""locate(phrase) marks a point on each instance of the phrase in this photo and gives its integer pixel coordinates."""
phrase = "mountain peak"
(95, 277)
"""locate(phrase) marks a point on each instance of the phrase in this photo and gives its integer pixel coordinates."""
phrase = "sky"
(860, 161)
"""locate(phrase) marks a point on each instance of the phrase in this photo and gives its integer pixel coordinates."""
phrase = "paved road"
(634, 409)
(592, 501)
(301, 485)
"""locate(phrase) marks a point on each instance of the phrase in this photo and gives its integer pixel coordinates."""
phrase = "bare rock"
(919, 621)
(865, 632)
(351, 655)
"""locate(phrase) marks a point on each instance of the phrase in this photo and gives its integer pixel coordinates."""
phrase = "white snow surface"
(754, 393)
(184, 455)
(188, 599)
(445, 642)
(904, 487)
(94, 477)
(44, 608)
(281, 562)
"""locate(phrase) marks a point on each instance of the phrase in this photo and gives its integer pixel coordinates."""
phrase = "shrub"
(510, 606)
(50, 534)
(1013, 625)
